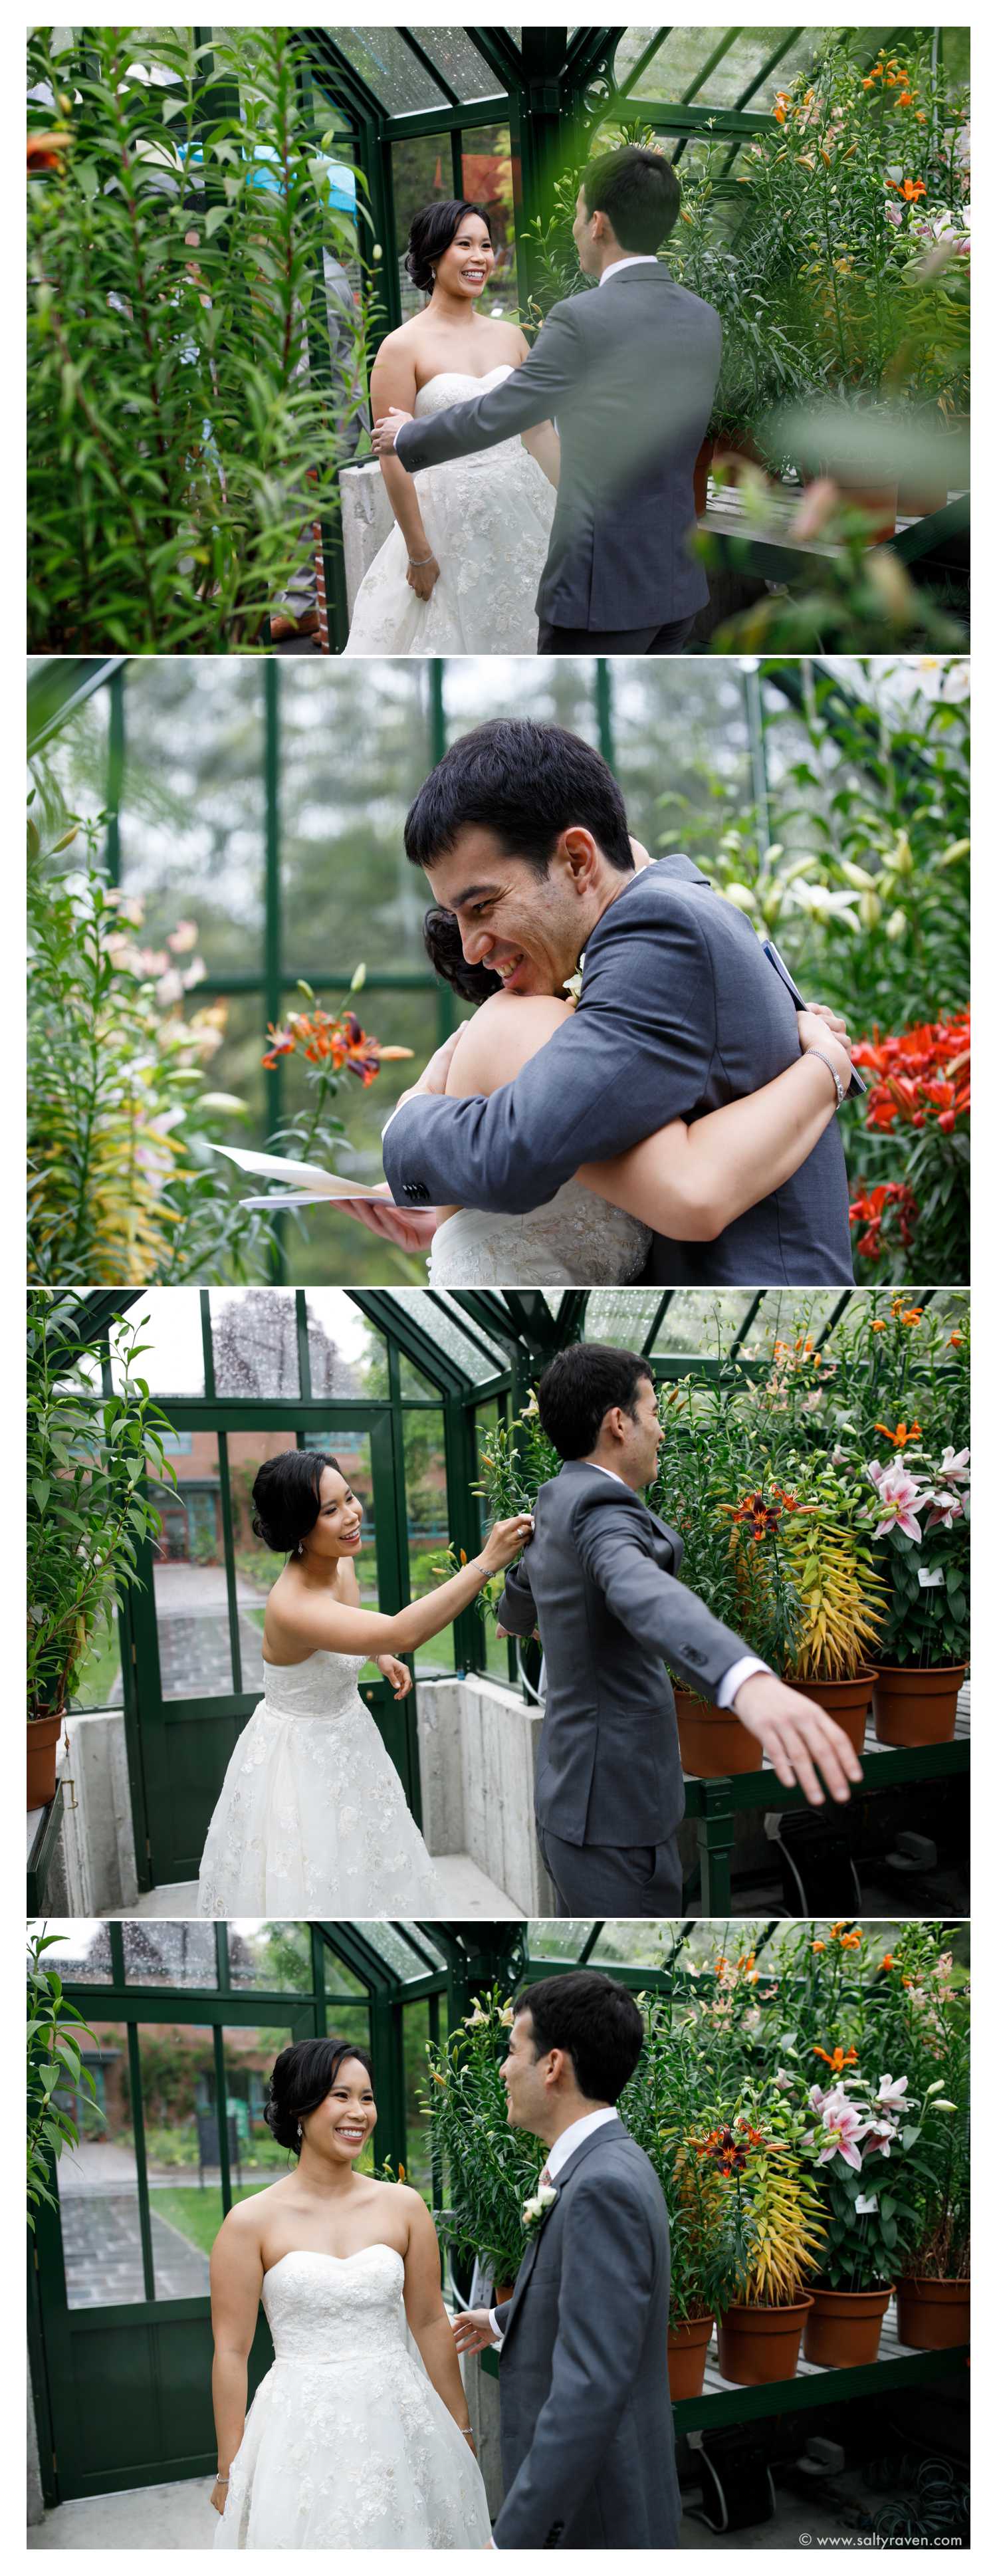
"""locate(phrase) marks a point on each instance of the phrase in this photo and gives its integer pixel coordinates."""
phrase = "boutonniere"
(535, 2210)
(573, 983)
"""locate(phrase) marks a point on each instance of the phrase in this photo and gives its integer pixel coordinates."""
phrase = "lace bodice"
(330, 2307)
(577, 1240)
(324, 1685)
(487, 519)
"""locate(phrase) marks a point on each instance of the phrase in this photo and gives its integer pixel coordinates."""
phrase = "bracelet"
(219, 2480)
(832, 1069)
(422, 559)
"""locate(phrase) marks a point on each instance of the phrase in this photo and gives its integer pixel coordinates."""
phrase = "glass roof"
(724, 66)
(403, 83)
(461, 1338)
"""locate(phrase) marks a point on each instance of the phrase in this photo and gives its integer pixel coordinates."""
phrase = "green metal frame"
(714, 1804)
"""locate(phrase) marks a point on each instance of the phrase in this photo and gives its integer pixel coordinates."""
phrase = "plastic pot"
(916, 1704)
(843, 2328)
(757, 2345)
(713, 1744)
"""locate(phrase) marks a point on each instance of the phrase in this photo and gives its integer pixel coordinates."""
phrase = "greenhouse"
(246, 285)
(238, 846)
(166, 1403)
(169, 2020)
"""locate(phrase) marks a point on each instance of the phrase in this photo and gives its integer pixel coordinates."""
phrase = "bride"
(459, 572)
(312, 1817)
(686, 1182)
(348, 2444)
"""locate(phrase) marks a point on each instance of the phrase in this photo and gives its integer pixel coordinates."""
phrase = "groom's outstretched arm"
(531, 394)
(636, 1053)
(606, 2285)
(654, 1607)
(517, 1610)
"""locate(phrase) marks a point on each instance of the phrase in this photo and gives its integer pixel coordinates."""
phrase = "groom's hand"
(412, 1228)
(472, 2330)
(798, 1737)
(385, 432)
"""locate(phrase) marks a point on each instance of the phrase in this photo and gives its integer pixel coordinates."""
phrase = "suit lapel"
(609, 2129)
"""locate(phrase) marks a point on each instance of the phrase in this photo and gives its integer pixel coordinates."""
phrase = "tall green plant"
(87, 1511)
(56, 2032)
(179, 441)
(490, 2169)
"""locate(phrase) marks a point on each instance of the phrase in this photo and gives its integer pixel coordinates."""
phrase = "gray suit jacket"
(599, 1579)
(628, 371)
(588, 2445)
(680, 1011)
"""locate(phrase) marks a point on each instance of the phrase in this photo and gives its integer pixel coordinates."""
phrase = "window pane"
(82, 1955)
(486, 165)
(382, 57)
(557, 690)
(195, 1656)
(192, 805)
(352, 1450)
(271, 1958)
(255, 2159)
(427, 1525)
(98, 1683)
(346, 1354)
(181, 2153)
(169, 1324)
(255, 1341)
(415, 2038)
(170, 1954)
(684, 724)
(256, 1566)
(459, 60)
(421, 174)
(98, 2182)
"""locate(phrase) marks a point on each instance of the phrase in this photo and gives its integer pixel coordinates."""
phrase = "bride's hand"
(472, 2330)
(505, 1541)
(423, 577)
(219, 2493)
(398, 1675)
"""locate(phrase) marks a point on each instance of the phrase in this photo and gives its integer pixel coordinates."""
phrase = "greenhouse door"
(198, 1619)
(119, 2313)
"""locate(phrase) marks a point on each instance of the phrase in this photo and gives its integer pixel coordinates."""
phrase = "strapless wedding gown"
(577, 1240)
(487, 519)
(312, 1817)
(347, 2445)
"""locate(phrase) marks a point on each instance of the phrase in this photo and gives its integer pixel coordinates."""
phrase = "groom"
(588, 2445)
(522, 832)
(599, 1577)
(629, 374)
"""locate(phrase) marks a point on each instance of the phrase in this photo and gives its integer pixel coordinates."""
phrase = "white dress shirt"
(746, 1664)
(631, 259)
(570, 2138)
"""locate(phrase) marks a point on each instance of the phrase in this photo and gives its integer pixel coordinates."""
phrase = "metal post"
(715, 1839)
(754, 707)
(115, 774)
(142, 2178)
(437, 711)
(272, 925)
(604, 711)
(221, 2106)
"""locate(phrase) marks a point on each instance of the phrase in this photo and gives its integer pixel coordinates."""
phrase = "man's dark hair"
(579, 1389)
(525, 782)
(639, 192)
(595, 2021)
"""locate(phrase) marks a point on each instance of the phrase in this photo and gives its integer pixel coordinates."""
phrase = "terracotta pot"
(844, 2326)
(736, 450)
(878, 500)
(43, 1745)
(688, 2344)
(713, 1744)
(915, 1703)
(701, 474)
(847, 1702)
(501, 2290)
(758, 2345)
(918, 496)
(932, 2315)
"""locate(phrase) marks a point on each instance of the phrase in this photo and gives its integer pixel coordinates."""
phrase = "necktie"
(545, 2176)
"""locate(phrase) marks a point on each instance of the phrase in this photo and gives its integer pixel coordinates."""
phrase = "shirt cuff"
(495, 2327)
(387, 1121)
(738, 1673)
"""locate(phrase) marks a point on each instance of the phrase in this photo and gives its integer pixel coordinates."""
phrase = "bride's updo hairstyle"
(301, 2078)
(286, 1497)
(431, 233)
(441, 941)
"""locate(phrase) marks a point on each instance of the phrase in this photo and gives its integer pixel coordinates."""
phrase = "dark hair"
(525, 782)
(595, 2021)
(639, 192)
(431, 232)
(302, 2076)
(286, 1496)
(442, 943)
(579, 1388)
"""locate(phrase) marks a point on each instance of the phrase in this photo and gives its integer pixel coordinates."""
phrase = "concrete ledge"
(477, 1759)
(98, 1841)
(368, 519)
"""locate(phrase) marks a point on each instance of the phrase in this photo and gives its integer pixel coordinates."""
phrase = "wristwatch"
(832, 1069)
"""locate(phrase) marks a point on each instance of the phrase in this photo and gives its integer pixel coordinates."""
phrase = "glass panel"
(346, 1353)
(255, 2158)
(256, 1567)
(83, 1955)
(412, 1382)
(192, 807)
(255, 1341)
(195, 1657)
(170, 1954)
(684, 723)
(415, 2040)
(181, 2154)
(421, 174)
(383, 60)
(428, 1534)
(169, 1324)
(460, 62)
(444, 1320)
(99, 1683)
(98, 2182)
(388, 1940)
(271, 1957)
(621, 1315)
(486, 165)
(70, 773)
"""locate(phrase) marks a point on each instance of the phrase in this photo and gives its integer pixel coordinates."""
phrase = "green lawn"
(193, 2211)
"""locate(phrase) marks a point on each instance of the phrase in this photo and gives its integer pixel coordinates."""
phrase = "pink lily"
(899, 1496)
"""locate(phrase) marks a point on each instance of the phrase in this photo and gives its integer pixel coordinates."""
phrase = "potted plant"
(718, 1443)
(838, 1611)
(775, 2234)
(929, 2007)
(492, 2170)
(861, 2150)
(660, 2107)
(921, 1511)
(87, 1510)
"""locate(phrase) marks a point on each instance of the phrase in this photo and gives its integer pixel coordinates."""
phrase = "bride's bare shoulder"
(505, 1032)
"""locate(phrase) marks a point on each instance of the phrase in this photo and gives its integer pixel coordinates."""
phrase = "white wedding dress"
(347, 2445)
(312, 1817)
(576, 1240)
(487, 520)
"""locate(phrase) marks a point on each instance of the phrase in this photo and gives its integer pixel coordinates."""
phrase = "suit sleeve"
(531, 394)
(635, 1054)
(607, 2280)
(517, 1609)
(654, 1607)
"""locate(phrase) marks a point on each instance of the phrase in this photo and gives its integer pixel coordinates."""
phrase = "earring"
(300, 1548)
(300, 2130)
